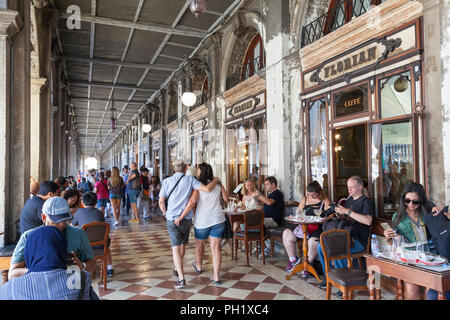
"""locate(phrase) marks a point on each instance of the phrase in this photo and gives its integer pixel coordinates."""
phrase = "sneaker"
(180, 284)
(323, 284)
(116, 223)
(292, 264)
(110, 273)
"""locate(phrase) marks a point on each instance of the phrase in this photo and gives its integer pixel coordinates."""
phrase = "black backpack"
(439, 228)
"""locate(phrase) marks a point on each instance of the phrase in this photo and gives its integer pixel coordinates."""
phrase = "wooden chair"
(98, 234)
(336, 245)
(277, 233)
(254, 231)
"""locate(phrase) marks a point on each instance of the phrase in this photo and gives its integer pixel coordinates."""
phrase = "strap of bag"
(83, 285)
(174, 188)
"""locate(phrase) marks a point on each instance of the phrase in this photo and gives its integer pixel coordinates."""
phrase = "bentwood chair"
(254, 231)
(336, 245)
(98, 234)
(276, 234)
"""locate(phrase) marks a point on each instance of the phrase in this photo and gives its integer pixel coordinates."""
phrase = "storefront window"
(351, 101)
(318, 142)
(396, 95)
(247, 152)
(392, 164)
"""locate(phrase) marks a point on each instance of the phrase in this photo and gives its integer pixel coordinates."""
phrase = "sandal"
(216, 282)
(195, 267)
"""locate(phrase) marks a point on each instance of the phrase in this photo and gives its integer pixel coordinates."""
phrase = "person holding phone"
(409, 220)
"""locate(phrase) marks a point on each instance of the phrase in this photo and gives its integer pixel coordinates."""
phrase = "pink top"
(102, 189)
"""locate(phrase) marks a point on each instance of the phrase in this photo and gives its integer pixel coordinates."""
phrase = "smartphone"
(386, 226)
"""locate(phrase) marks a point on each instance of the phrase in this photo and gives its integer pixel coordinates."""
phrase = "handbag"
(228, 232)
(439, 227)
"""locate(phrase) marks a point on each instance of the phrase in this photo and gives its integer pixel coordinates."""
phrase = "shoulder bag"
(167, 199)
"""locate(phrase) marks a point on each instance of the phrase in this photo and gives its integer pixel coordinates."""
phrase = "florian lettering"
(350, 63)
(243, 107)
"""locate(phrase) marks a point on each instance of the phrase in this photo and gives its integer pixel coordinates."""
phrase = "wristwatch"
(349, 211)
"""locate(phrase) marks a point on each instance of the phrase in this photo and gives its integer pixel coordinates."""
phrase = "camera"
(329, 211)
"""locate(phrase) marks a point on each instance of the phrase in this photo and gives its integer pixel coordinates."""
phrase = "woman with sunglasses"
(409, 220)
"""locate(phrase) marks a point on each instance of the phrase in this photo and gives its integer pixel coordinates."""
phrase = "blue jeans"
(432, 295)
(342, 263)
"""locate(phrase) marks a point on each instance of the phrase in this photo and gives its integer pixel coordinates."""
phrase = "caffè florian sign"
(370, 54)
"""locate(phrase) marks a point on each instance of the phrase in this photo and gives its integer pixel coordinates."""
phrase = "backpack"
(439, 228)
(136, 182)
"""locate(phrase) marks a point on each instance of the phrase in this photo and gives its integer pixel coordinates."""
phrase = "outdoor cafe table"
(305, 265)
(437, 280)
(237, 216)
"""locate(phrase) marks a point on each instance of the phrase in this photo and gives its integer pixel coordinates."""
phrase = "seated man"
(56, 212)
(47, 277)
(30, 217)
(90, 214)
(359, 210)
(273, 207)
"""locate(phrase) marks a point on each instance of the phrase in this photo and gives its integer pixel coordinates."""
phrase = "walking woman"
(209, 221)
(115, 186)
(101, 189)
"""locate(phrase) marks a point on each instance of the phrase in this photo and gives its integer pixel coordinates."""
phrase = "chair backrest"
(98, 233)
(335, 245)
(254, 219)
(290, 207)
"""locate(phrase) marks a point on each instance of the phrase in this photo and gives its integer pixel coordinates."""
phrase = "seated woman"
(409, 220)
(315, 199)
(249, 200)
(47, 277)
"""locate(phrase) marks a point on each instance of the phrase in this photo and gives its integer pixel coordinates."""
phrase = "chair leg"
(104, 273)
(350, 295)
(262, 251)
(345, 294)
(236, 243)
(328, 290)
(246, 252)
(272, 247)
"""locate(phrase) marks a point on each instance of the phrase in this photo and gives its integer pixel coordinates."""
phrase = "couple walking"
(182, 193)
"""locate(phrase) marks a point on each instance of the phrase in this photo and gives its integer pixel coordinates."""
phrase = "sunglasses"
(415, 202)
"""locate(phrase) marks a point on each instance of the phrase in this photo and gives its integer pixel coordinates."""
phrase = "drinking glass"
(317, 212)
(420, 250)
(397, 245)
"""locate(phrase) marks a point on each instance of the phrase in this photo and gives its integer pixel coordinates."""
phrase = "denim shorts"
(133, 195)
(215, 231)
(179, 234)
(115, 196)
(102, 202)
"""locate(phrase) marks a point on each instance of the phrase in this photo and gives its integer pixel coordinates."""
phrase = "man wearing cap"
(30, 217)
(178, 190)
(56, 213)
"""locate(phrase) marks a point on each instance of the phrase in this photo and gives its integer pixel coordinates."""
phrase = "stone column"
(441, 63)
(183, 150)
(163, 150)
(19, 186)
(37, 124)
(10, 24)
(279, 134)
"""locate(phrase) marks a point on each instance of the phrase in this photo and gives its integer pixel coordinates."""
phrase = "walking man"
(178, 189)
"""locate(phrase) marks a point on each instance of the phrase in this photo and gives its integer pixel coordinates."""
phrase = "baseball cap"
(57, 209)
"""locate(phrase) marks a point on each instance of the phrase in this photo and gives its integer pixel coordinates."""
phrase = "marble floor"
(142, 261)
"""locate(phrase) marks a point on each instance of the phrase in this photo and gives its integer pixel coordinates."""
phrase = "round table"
(305, 265)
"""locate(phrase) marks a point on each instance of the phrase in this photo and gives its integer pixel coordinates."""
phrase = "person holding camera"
(355, 217)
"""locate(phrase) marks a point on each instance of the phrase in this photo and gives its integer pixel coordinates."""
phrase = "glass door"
(350, 157)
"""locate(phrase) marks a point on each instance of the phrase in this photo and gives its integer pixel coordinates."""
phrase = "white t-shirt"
(209, 210)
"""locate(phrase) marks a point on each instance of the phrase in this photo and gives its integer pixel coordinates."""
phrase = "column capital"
(38, 84)
(10, 23)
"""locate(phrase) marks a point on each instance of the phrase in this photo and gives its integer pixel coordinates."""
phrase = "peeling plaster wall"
(445, 90)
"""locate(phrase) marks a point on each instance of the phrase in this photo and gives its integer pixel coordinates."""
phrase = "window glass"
(351, 101)
(318, 142)
(392, 164)
(396, 95)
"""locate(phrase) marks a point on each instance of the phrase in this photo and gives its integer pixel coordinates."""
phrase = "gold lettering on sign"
(352, 102)
(350, 63)
(243, 107)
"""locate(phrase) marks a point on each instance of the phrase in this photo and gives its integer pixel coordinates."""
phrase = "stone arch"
(247, 24)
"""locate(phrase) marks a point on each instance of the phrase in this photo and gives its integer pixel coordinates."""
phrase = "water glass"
(397, 246)
(420, 250)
